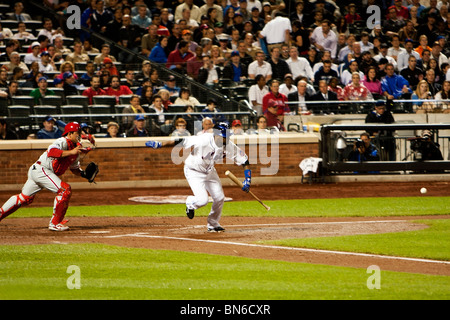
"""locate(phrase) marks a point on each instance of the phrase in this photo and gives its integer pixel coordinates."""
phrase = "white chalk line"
(146, 235)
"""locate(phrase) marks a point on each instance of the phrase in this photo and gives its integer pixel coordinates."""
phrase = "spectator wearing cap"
(171, 86)
(46, 64)
(77, 56)
(256, 20)
(274, 116)
(274, 96)
(139, 129)
(109, 66)
(51, 129)
(34, 55)
(288, 86)
(436, 53)
(235, 70)
(383, 54)
(41, 91)
(393, 23)
(236, 127)
(69, 84)
(112, 130)
(158, 54)
(238, 22)
(187, 36)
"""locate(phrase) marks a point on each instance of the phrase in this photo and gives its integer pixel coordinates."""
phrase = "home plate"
(166, 199)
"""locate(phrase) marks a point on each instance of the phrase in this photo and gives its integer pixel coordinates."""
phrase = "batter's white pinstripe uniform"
(202, 176)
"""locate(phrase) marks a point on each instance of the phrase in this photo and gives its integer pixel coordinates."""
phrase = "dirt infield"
(242, 234)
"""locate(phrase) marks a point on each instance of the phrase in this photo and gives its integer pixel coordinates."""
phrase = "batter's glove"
(248, 180)
(153, 144)
(91, 172)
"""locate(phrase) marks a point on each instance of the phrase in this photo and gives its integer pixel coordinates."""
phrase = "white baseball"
(423, 190)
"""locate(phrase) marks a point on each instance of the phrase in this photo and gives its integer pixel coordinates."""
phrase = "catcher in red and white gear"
(63, 154)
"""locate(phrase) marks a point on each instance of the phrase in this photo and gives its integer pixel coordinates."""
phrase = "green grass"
(429, 243)
(348, 207)
(108, 272)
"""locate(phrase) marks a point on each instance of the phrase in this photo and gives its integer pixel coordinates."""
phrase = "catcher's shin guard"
(61, 203)
(14, 203)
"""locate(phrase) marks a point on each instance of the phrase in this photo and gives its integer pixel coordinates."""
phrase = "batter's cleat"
(58, 227)
(190, 213)
(216, 229)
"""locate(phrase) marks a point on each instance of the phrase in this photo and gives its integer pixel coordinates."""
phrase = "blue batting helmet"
(222, 129)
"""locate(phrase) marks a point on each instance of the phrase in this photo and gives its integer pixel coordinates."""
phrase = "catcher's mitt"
(91, 172)
(87, 143)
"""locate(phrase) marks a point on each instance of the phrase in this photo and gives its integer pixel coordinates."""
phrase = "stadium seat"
(23, 101)
(97, 111)
(125, 99)
(20, 113)
(44, 110)
(3, 107)
(56, 101)
(78, 100)
(72, 110)
(104, 100)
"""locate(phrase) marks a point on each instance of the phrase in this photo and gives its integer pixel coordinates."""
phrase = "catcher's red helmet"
(71, 127)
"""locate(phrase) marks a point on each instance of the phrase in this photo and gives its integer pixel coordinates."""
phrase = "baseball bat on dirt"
(233, 178)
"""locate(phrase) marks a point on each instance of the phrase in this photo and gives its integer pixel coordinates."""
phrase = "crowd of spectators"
(287, 52)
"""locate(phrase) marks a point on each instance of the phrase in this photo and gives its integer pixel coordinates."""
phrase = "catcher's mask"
(72, 127)
(222, 129)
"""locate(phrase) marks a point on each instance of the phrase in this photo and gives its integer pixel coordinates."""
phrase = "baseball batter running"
(206, 150)
(64, 153)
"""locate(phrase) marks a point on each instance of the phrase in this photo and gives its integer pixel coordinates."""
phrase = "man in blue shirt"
(51, 129)
(394, 86)
(235, 70)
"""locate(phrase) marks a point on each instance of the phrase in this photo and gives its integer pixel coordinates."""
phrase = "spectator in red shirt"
(402, 11)
(94, 89)
(352, 15)
(274, 118)
(116, 89)
(177, 58)
(275, 96)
